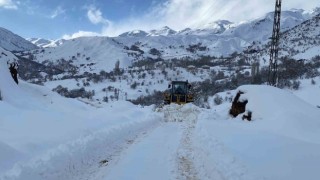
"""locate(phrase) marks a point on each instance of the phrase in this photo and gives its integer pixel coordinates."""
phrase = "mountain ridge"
(13, 42)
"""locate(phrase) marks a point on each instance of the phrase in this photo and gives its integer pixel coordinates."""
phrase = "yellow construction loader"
(178, 93)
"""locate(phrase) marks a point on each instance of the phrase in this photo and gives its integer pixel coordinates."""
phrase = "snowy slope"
(304, 39)
(300, 42)
(13, 42)
(307, 90)
(309, 53)
(102, 52)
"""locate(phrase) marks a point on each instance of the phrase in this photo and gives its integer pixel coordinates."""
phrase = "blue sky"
(53, 19)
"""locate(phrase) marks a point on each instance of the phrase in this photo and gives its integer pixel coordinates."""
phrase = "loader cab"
(179, 93)
(178, 88)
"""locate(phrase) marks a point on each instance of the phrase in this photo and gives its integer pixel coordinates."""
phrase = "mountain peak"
(40, 42)
(164, 31)
(134, 33)
(216, 27)
(165, 27)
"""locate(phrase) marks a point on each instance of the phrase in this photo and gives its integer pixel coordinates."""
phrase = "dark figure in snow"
(14, 71)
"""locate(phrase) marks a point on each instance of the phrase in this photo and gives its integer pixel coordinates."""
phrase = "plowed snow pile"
(282, 141)
(282, 112)
(179, 113)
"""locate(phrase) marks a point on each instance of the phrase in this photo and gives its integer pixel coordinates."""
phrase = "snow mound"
(179, 113)
(282, 112)
(282, 141)
(8, 155)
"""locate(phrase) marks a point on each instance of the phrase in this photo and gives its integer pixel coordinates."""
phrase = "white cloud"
(8, 4)
(180, 14)
(80, 34)
(95, 16)
(58, 11)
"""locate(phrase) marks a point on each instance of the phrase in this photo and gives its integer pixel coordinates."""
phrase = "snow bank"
(282, 141)
(282, 112)
(308, 92)
(43, 144)
(81, 158)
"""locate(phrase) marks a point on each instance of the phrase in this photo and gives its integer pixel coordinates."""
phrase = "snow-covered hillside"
(261, 29)
(301, 42)
(304, 39)
(13, 42)
(93, 54)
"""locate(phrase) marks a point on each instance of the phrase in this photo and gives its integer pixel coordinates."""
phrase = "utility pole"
(273, 66)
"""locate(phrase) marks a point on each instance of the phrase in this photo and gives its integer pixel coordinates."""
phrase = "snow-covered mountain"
(56, 43)
(299, 42)
(135, 33)
(40, 41)
(164, 31)
(13, 42)
(261, 29)
(220, 38)
(44, 43)
(216, 27)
